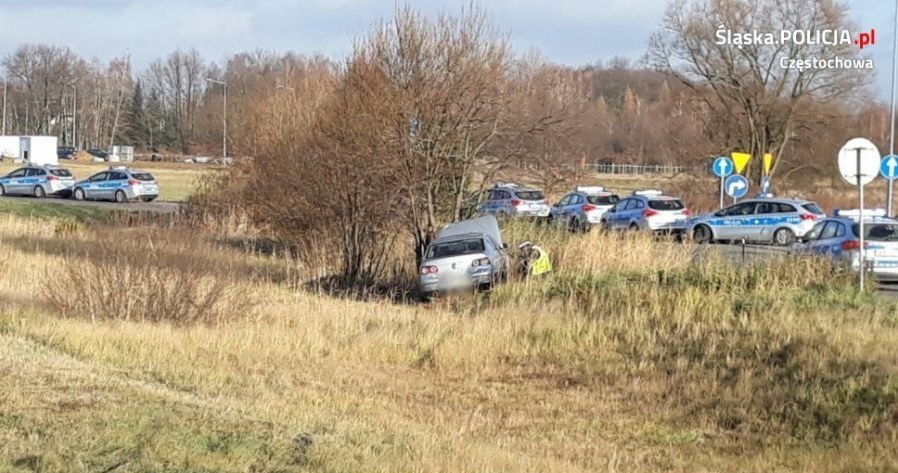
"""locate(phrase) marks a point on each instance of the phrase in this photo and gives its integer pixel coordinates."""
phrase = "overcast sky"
(572, 32)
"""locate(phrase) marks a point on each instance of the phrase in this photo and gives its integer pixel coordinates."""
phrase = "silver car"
(838, 237)
(512, 200)
(463, 256)
(119, 184)
(583, 208)
(38, 181)
(780, 221)
(648, 210)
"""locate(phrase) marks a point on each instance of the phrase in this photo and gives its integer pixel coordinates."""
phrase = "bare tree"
(753, 89)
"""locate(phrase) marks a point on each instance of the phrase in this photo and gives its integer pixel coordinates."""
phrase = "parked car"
(463, 256)
(583, 208)
(65, 152)
(838, 237)
(648, 210)
(780, 221)
(38, 181)
(98, 153)
(512, 200)
(120, 184)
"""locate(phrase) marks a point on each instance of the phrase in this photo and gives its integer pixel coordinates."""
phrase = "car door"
(93, 189)
(614, 218)
(828, 242)
(731, 225)
(14, 184)
(559, 209)
(575, 206)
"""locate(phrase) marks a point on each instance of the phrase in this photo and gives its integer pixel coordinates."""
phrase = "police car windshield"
(666, 204)
(143, 176)
(61, 172)
(602, 199)
(455, 248)
(530, 195)
(878, 231)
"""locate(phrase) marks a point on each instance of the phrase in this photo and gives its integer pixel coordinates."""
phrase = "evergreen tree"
(137, 130)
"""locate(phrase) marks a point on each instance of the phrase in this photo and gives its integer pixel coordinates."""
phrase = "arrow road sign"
(736, 186)
(889, 167)
(723, 167)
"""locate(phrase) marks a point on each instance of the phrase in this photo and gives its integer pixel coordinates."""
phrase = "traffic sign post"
(889, 170)
(736, 186)
(722, 168)
(859, 162)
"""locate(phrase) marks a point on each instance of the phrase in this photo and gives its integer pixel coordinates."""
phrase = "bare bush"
(132, 280)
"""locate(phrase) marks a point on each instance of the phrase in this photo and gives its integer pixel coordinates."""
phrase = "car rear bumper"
(433, 284)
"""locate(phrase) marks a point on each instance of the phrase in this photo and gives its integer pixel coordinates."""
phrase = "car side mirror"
(719, 213)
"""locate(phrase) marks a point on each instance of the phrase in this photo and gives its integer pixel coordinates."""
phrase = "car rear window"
(877, 231)
(813, 208)
(61, 172)
(455, 248)
(666, 204)
(143, 176)
(603, 199)
(530, 195)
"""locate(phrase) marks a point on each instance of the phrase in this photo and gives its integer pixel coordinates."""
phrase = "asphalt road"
(152, 207)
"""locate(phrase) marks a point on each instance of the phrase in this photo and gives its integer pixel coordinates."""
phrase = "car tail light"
(515, 203)
(808, 217)
(480, 262)
(687, 212)
(649, 213)
(133, 182)
(425, 270)
(547, 202)
(852, 245)
(588, 207)
(52, 178)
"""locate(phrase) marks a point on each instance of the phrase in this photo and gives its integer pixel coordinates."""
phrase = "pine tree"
(137, 130)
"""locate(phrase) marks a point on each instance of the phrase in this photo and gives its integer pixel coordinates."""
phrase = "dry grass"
(612, 364)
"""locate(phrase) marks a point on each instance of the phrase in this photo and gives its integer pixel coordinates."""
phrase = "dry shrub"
(146, 280)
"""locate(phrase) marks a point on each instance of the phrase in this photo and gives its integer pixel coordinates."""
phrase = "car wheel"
(39, 192)
(120, 197)
(634, 227)
(784, 237)
(78, 194)
(702, 235)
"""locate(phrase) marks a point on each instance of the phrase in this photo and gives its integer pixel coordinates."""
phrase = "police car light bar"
(590, 189)
(648, 192)
(856, 213)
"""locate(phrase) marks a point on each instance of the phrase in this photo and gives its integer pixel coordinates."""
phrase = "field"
(634, 358)
(176, 181)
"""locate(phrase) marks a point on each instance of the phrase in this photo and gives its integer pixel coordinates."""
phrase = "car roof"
(866, 220)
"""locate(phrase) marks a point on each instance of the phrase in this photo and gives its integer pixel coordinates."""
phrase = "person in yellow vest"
(535, 261)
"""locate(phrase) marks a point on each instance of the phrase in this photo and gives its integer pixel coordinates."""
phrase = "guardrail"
(637, 169)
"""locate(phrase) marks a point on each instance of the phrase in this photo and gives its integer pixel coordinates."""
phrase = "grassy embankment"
(630, 358)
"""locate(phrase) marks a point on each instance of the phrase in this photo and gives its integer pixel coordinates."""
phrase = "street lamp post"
(74, 117)
(224, 138)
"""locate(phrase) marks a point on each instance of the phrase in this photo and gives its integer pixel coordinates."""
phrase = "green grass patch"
(53, 211)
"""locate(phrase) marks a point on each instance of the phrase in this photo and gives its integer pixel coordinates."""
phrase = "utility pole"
(74, 116)
(5, 85)
(892, 128)
(224, 138)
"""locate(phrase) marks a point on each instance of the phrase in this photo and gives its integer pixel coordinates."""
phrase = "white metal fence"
(635, 169)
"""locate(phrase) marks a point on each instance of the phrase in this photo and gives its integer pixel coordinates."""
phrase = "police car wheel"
(634, 227)
(39, 192)
(784, 237)
(79, 194)
(701, 234)
(120, 197)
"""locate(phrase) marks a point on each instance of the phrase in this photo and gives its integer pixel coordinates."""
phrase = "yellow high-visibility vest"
(542, 265)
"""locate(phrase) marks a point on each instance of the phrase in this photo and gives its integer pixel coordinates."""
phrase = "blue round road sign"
(723, 167)
(889, 167)
(736, 186)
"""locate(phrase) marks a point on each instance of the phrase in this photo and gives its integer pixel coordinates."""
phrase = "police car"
(583, 208)
(649, 210)
(38, 181)
(120, 184)
(512, 200)
(838, 237)
(780, 221)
